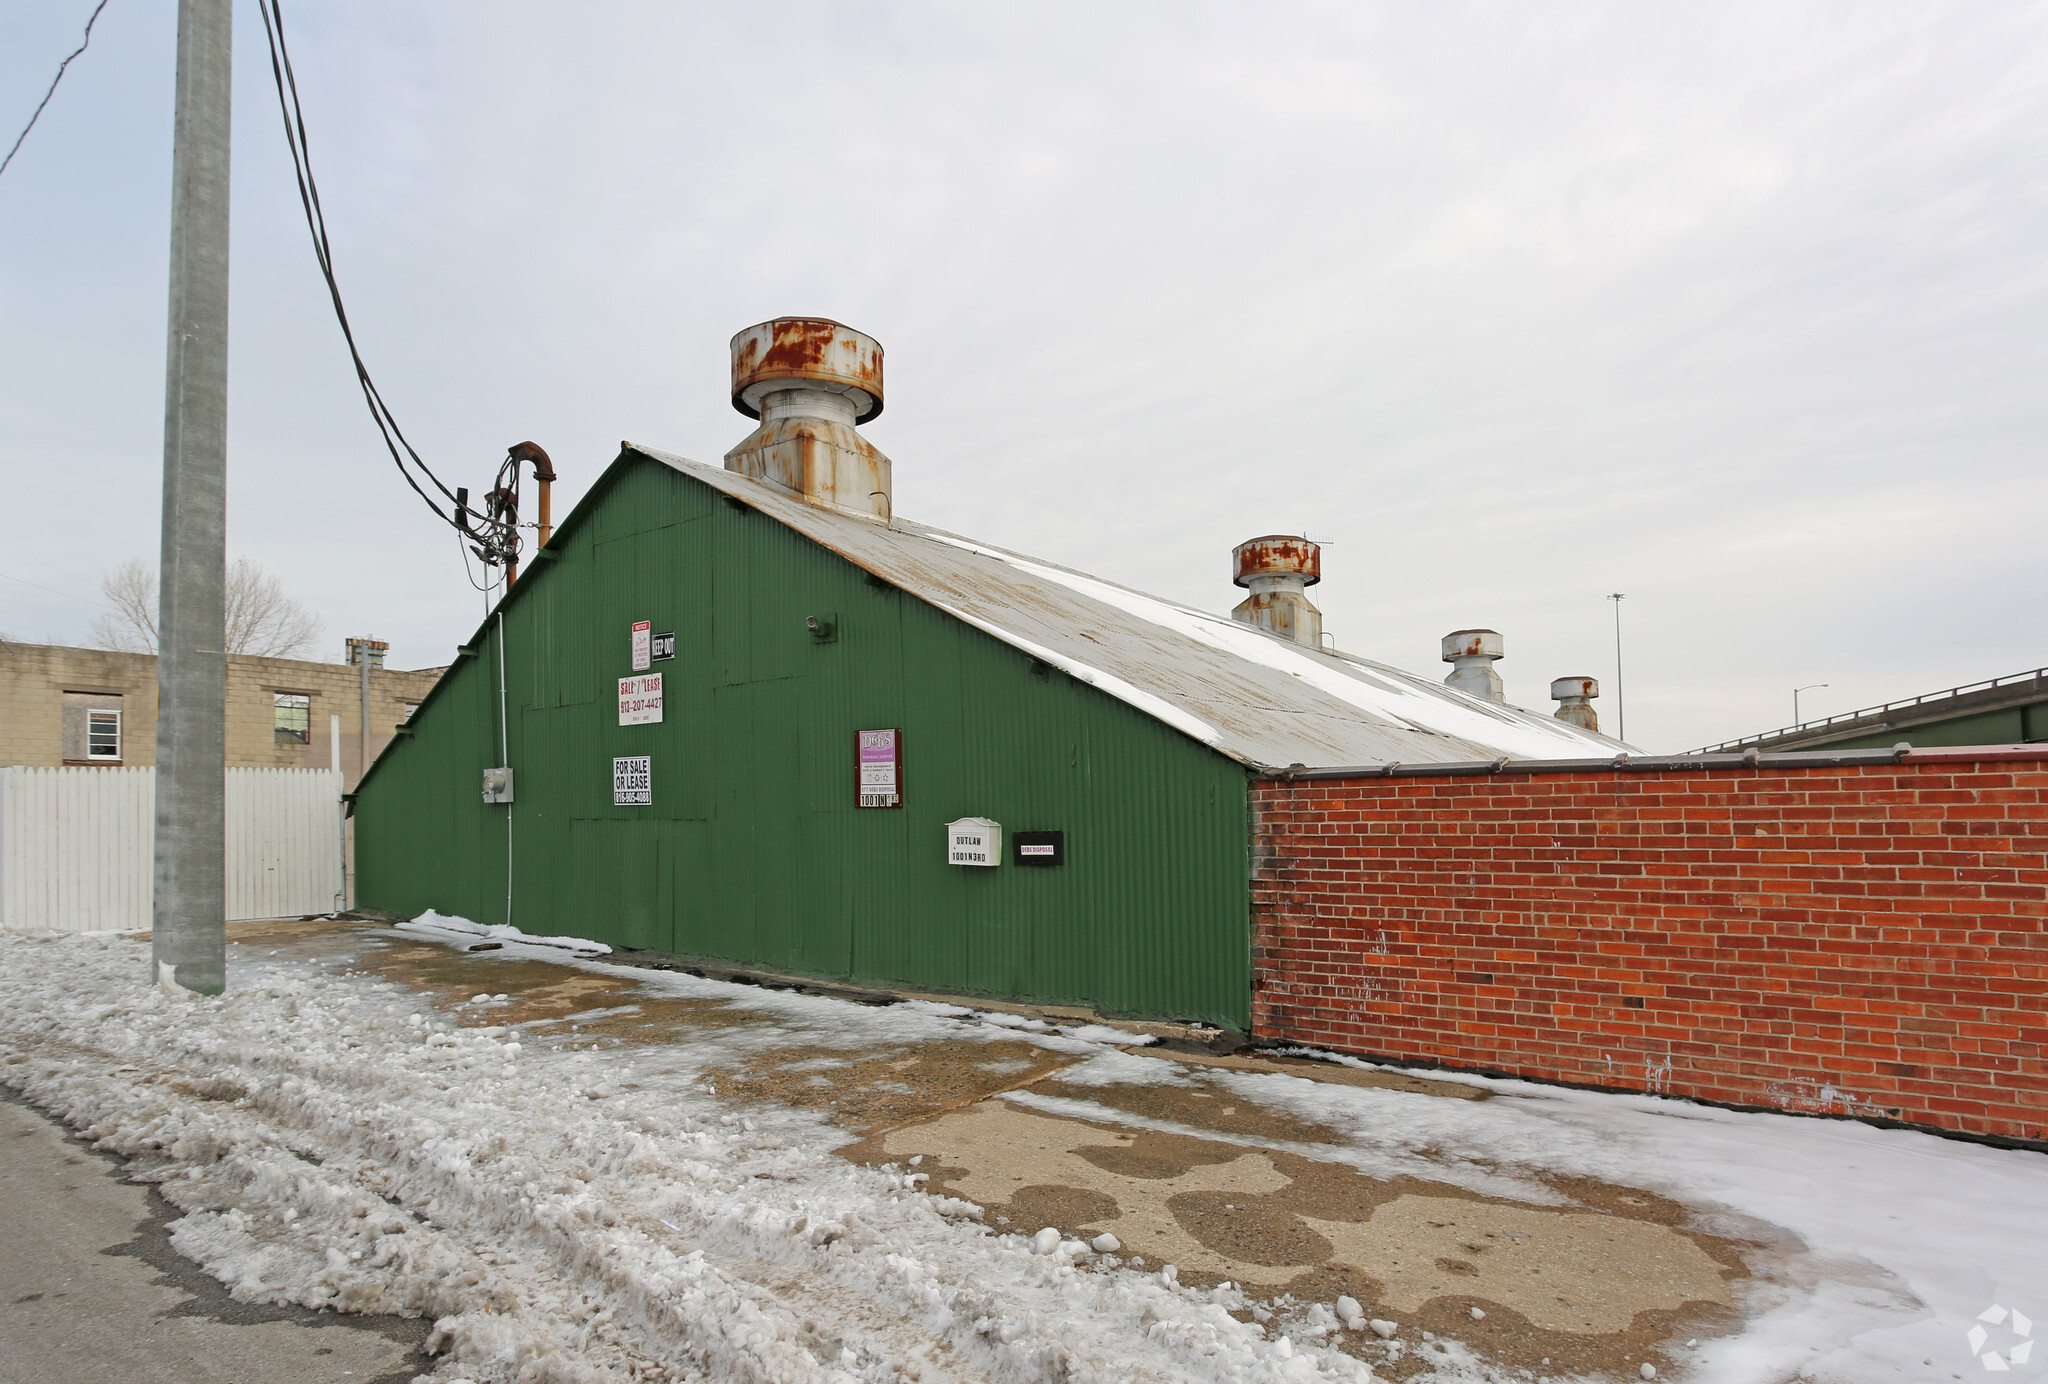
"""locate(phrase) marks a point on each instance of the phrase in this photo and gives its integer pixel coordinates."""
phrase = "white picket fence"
(76, 846)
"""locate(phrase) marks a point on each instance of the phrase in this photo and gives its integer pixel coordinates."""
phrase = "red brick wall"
(1866, 941)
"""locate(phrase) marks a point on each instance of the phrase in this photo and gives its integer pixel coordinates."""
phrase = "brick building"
(60, 705)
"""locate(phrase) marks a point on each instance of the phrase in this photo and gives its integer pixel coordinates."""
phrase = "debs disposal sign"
(879, 768)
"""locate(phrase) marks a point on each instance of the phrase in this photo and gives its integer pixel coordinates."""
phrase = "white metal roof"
(1254, 696)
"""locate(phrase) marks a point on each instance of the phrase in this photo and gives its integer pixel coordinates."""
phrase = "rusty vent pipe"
(1574, 697)
(1471, 654)
(811, 381)
(1278, 570)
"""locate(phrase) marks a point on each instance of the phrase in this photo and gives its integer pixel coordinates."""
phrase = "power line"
(53, 87)
(497, 541)
(55, 592)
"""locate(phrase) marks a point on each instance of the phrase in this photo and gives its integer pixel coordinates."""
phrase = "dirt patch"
(1222, 1112)
(865, 1092)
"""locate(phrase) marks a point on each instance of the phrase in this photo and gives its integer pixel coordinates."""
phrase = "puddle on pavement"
(1590, 1287)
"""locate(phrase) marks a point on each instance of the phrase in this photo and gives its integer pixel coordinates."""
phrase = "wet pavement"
(1203, 1170)
(91, 1290)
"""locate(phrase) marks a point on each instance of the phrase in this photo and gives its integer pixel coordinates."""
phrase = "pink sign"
(879, 768)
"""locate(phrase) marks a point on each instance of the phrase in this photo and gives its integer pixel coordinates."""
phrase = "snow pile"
(440, 927)
(566, 1220)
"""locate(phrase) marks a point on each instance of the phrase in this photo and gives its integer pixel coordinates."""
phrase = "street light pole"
(1796, 722)
(1620, 695)
(188, 938)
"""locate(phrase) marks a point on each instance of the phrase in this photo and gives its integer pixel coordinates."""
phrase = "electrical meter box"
(974, 841)
(498, 785)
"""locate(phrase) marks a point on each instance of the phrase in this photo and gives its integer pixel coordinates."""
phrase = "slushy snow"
(564, 1219)
(597, 1216)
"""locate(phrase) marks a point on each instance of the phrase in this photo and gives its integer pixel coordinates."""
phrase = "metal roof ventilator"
(1472, 654)
(811, 381)
(1575, 701)
(1278, 570)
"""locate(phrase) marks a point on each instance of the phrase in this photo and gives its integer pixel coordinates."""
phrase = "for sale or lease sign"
(640, 700)
(632, 782)
(642, 639)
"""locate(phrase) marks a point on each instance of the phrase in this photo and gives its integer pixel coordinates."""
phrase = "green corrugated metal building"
(2011, 710)
(803, 613)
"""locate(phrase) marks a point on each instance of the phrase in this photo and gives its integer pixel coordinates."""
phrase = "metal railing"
(2035, 676)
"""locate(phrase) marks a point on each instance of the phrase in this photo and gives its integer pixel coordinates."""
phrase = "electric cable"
(94, 19)
(496, 542)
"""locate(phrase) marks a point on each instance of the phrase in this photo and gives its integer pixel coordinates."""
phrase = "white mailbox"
(974, 841)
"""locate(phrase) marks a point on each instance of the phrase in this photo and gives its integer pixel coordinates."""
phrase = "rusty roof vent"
(810, 381)
(1471, 654)
(1278, 570)
(1575, 701)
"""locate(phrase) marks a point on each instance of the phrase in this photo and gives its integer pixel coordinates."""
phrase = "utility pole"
(188, 938)
(1620, 695)
(363, 740)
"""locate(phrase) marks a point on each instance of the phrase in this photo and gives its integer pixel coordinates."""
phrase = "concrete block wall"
(1868, 941)
(33, 681)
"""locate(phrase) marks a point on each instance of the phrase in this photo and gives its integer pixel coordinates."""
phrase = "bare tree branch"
(261, 619)
(131, 627)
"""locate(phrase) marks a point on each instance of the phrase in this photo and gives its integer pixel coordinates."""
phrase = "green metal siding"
(2011, 725)
(753, 852)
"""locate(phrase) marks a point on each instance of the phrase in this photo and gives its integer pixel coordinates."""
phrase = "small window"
(92, 727)
(103, 736)
(410, 708)
(293, 717)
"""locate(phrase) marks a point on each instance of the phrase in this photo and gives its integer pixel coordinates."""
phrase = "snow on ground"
(334, 1144)
(1886, 1245)
(584, 1216)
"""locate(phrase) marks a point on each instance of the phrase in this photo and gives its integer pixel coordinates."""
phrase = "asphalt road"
(91, 1291)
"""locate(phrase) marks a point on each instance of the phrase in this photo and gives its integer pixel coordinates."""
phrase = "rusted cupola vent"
(811, 381)
(1575, 701)
(1471, 654)
(1278, 570)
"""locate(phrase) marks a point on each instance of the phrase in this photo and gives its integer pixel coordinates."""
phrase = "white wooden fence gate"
(77, 846)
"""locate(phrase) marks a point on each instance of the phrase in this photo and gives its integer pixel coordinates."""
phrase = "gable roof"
(1260, 699)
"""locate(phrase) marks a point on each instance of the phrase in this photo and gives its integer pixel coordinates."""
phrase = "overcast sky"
(1736, 309)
